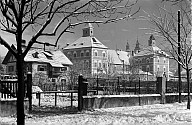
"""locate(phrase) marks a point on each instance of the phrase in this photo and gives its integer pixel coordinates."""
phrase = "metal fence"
(116, 86)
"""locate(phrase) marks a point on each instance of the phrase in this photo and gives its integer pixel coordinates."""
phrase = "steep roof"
(124, 56)
(84, 42)
(151, 50)
(116, 57)
(54, 58)
(8, 55)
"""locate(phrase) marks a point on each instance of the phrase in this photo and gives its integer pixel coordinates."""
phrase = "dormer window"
(35, 55)
(94, 40)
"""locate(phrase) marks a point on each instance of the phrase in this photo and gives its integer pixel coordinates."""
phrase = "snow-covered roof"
(151, 50)
(83, 42)
(124, 56)
(54, 58)
(117, 57)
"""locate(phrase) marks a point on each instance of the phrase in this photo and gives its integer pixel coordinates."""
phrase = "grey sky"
(111, 35)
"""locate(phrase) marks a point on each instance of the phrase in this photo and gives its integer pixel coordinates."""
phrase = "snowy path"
(158, 114)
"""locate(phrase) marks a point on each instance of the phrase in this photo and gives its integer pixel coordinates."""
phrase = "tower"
(137, 48)
(151, 41)
(88, 30)
(127, 47)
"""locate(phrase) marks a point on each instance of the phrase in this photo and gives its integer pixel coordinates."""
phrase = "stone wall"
(9, 107)
(111, 101)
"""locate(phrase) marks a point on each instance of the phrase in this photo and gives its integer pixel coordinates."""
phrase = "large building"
(88, 54)
(91, 58)
(152, 59)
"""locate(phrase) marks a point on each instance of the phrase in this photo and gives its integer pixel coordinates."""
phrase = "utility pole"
(179, 59)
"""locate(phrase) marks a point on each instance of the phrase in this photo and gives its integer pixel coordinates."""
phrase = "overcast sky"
(112, 35)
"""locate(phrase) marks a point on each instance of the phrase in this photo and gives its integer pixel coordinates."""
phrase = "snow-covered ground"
(158, 114)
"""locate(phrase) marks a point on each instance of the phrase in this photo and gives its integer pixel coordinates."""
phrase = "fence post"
(80, 92)
(118, 86)
(139, 91)
(29, 89)
(71, 99)
(97, 85)
(135, 88)
(55, 98)
(161, 88)
(39, 94)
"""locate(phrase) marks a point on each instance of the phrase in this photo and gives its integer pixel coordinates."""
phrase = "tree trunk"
(188, 89)
(20, 93)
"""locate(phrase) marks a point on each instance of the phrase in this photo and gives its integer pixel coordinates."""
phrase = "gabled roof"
(54, 58)
(8, 55)
(84, 42)
(117, 57)
(151, 50)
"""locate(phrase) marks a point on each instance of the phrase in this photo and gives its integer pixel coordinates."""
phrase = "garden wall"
(111, 101)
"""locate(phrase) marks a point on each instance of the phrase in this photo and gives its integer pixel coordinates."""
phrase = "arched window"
(143, 60)
(95, 53)
(104, 54)
(157, 67)
(147, 60)
(87, 52)
(95, 64)
(74, 54)
(157, 58)
(164, 60)
(148, 68)
(69, 54)
(82, 53)
(164, 68)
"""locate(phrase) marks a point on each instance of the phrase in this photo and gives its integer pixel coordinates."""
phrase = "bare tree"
(175, 29)
(18, 16)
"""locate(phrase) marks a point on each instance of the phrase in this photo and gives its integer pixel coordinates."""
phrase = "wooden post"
(29, 89)
(97, 85)
(55, 98)
(39, 94)
(161, 88)
(80, 92)
(71, 99)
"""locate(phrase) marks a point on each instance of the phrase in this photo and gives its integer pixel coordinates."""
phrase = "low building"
(49, 64)
(118, 63)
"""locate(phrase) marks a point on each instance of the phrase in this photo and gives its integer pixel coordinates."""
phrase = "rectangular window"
(95, 64)
(64, 69)
(104, 65)
(41, 68)
(10, 68)
(56, 69)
